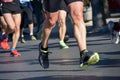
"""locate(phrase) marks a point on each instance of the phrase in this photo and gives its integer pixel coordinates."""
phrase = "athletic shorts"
(63, 6)
(11, 7)
(0, 9)
(0, 13)
(54, 5)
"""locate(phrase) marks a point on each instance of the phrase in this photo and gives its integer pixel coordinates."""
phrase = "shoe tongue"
(83, 52)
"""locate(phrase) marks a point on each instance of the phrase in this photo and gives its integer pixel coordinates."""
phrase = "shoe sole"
(92, 60)
(64, 47)
(12, 55)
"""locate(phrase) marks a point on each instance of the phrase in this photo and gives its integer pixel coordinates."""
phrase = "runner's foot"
(63, 45)
(4, 43)
(87, 58)
(22, 40)
(33, 37)
(43, 57)
(15, 53)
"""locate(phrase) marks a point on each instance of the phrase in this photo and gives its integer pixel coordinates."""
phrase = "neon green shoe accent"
(63, 45)
(33, 38)
(94, 58)
(23, 40)
(44, 51)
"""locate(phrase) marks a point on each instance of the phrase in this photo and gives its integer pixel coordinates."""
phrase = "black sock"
(45, 49)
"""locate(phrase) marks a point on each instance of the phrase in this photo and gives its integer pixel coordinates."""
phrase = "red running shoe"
(4, 44)
(15, 53)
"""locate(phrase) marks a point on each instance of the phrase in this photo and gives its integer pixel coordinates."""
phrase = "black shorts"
(27, 12)
(0, 9)
(0, 13)
(63, 6)
(54, 5)
(11, 7)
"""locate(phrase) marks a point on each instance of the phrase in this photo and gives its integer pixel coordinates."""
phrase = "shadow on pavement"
(72, 77)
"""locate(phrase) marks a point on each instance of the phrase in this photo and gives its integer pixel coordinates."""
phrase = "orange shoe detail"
(15, 53)
(4, 44)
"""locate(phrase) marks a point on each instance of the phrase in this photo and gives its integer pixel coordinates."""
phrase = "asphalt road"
(64, 64)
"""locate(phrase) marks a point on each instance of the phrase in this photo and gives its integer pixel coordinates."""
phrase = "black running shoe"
(43, 57)
(87, 58)
(66, 38)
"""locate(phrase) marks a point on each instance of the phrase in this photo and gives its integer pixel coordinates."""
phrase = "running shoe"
(4, 43)
(114, 34)
(119, 33)
(33, 37)
(111, 26)
(87, 58)
(115, 37)
(66, 38)
(63, 45)
(15, 53)
(43, 57)
(22, 40)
